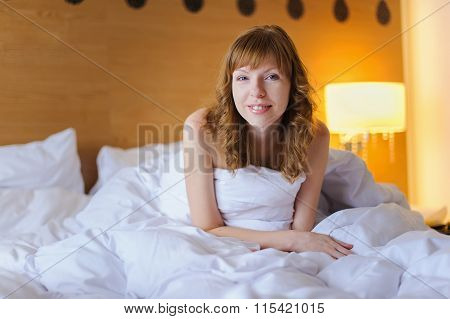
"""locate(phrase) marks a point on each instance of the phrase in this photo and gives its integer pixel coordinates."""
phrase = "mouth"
(259, 108)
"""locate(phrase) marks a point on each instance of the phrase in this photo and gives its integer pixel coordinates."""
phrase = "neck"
(263, 144)
(263, 141)
(263, 134)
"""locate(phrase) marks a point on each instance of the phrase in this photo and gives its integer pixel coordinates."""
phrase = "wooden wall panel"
(121, 67)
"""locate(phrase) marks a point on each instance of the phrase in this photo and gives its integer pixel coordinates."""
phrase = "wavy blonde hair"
(296, 129)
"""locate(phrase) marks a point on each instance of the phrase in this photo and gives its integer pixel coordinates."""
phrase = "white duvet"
(31, 218)
(129, 242)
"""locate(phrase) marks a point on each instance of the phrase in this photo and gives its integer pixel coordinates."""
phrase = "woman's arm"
(198, 170)
(307, 198)
(288, 240)
(205, 213)
(201, 193)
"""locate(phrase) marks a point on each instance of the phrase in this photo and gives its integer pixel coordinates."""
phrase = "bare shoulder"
(322, 130)
(321, 135)
(202, 140)
(197, 118)
(321, 140)
(192, 131)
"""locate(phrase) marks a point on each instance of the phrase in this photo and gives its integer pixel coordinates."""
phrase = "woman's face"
(261, 95)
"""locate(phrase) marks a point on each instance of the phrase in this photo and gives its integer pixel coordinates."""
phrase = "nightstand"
(444, 229)
(436, 218)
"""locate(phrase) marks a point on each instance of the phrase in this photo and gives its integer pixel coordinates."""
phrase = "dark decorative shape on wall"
(74, 1)
(295, 9)
(383, 14)
(340, 10)
(137, 4)
(246, 7)
(193, 5)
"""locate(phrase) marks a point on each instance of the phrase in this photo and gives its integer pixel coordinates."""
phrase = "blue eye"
(241, 78)
(273, 77)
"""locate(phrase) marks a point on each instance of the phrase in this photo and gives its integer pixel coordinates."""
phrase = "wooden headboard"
(107, 69)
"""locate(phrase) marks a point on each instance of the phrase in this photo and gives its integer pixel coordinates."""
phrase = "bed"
(131, 236)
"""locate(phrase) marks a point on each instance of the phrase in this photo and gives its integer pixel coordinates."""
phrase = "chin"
(262, 123)
(259, 125)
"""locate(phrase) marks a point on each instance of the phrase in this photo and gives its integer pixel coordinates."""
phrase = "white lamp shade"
(365, 107)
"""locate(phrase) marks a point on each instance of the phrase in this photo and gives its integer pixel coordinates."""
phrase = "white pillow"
(110, 159)
(53, 162)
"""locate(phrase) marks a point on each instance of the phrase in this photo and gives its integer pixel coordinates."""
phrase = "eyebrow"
(242, 70)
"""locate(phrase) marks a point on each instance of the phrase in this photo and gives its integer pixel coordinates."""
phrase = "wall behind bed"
(104, 67)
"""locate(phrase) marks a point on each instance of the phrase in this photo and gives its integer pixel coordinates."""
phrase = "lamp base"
(353, 147)
(443, 229)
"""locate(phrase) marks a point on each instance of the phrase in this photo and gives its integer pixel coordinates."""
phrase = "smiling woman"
(264, 76)
(262, 90)
(262, 131)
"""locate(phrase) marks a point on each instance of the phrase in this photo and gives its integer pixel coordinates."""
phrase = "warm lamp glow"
(365, 107)
(356, 109)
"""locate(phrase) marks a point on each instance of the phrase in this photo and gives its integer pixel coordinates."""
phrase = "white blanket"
(31, 218)
(125, 246)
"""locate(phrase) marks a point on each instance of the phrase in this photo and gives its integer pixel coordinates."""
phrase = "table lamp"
(356, 109)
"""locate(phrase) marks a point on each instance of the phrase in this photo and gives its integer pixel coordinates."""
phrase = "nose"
(257, 89)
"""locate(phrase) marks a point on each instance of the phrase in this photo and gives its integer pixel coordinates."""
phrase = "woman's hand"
(308, 241)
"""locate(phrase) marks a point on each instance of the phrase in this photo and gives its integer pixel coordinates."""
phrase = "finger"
(334, 253)
(342, 250)
(343, 244)
(339, 247)
(339, 244)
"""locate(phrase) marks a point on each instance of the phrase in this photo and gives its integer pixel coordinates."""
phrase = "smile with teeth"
(259, 108)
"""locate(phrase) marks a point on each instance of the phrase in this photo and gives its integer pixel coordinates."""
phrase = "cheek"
(280, 94)
(233, 91)
(284, 96)
(237, 94)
